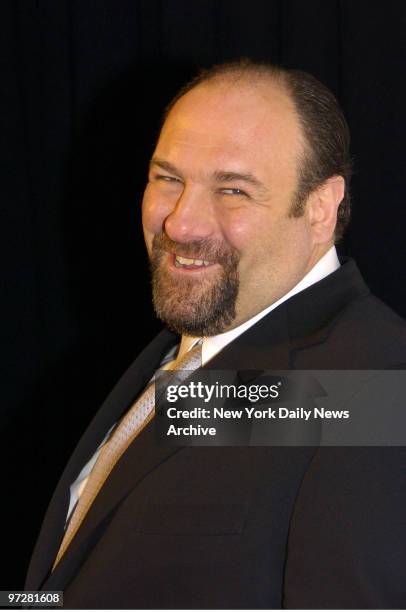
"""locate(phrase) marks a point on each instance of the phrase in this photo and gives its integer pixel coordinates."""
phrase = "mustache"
(208, 250)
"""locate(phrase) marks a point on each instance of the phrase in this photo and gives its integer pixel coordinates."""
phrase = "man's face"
(216, 220)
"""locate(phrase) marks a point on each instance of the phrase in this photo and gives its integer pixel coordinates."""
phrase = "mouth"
(190, 263)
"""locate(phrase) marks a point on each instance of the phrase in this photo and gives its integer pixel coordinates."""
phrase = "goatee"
(195, 306)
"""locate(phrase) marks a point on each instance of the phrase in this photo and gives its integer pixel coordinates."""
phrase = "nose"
(192, 218)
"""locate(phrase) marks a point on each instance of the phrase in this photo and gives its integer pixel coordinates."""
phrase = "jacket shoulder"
(366, 334)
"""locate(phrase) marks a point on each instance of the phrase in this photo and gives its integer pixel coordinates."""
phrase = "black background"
(83, 85)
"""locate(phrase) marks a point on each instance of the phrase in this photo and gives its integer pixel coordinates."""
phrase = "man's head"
(246, 179)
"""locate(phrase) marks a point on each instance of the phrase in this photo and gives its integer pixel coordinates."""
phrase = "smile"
(186, 262)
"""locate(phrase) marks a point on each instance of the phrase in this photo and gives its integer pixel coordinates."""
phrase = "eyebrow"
(165, 165)
(223, 176)
(219, 176)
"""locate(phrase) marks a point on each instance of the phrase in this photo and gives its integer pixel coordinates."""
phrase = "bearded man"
(248, 191)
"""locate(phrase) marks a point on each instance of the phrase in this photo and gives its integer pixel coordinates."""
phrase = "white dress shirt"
(213, 345)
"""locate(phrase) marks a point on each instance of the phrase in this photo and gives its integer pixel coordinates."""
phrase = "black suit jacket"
(245, 527)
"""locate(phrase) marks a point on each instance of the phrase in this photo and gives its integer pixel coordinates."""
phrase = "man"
(247, 192)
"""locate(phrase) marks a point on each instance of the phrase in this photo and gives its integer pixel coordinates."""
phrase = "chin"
(196, 324)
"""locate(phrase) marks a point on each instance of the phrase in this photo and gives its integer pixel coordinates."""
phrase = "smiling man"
(218, 211)
(248, 190)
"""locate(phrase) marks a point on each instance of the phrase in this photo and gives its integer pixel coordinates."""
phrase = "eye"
(233, 191)
(166, 178)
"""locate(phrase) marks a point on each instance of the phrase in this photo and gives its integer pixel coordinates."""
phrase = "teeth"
(185, 261)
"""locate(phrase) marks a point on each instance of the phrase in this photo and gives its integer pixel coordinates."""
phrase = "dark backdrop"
(83, 84)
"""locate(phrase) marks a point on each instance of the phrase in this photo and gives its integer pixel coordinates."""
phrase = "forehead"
(235, 124)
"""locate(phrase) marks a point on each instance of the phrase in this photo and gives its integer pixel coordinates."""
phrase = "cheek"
(261, 239)
(239, 228)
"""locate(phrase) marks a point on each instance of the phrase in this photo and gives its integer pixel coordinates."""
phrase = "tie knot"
(192, 359)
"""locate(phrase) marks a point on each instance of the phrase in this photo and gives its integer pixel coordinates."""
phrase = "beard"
(194, 306)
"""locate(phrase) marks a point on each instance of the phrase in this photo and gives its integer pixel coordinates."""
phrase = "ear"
(322, 208)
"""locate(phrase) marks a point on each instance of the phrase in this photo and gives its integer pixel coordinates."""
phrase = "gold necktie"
(134, 421)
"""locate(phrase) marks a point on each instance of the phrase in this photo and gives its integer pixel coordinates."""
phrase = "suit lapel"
(265, 345)
(117, 403)
(141, 458)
